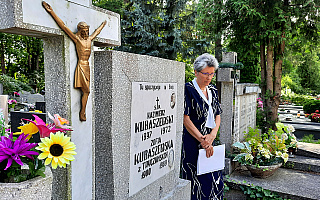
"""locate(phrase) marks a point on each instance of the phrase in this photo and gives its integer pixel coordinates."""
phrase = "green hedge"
(311, 106)
(11, 85)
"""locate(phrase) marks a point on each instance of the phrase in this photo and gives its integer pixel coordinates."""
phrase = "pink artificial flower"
(16, 93)
(44, 129)
(59, 121)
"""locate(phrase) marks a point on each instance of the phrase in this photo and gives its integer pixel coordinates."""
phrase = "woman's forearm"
(215, 129)
(191, 128)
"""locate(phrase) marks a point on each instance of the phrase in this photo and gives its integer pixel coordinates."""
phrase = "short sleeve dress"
(207, 186)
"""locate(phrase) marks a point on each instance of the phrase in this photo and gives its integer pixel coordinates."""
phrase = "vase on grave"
(263, 171)
(38, 188)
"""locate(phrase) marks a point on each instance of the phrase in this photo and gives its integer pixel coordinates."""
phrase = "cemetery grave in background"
(299, 178)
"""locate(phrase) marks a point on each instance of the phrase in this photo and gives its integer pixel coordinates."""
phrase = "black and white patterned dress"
(207, 186)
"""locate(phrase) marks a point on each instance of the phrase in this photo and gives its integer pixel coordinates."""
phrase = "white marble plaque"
(153, 132)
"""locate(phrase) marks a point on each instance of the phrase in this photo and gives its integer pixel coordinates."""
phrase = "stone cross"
(27, 17)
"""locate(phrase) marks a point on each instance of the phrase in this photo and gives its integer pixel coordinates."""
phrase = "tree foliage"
(160, 28)
(261, 28)
(22, 58)
(151, 27)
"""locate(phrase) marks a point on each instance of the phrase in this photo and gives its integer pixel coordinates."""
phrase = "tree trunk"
(218, 49)
(263, 70)
(218, 55)
(37, 61)
(269, 85)
(3, 65)
(277, 81)
(269, 69)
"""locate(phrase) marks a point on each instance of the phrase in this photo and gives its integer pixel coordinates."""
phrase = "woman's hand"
(208, 139)
(209, 151)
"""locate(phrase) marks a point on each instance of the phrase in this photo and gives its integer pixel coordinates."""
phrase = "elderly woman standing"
(201, 124)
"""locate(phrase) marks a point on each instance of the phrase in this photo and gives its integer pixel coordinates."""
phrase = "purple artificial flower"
(12, 150)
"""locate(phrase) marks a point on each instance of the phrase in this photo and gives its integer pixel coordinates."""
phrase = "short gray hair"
(205, 60)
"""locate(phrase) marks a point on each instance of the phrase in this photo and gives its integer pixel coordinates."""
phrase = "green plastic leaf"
(239, 145)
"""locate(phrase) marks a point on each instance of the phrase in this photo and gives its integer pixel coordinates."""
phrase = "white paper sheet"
(214, 163)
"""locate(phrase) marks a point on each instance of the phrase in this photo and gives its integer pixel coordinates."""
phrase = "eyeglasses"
(207, 74)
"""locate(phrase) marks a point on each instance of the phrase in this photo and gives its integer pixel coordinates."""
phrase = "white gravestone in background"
(28, 17)
(4, 107)
(153, 132)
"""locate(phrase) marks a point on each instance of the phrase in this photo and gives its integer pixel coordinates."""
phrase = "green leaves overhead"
(152, 27)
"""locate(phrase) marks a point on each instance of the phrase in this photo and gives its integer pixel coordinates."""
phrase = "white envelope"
(214, 163)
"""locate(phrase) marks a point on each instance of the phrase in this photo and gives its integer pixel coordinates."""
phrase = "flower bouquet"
(315, 117)
(263, 151)
(12, 103)
(21, 158)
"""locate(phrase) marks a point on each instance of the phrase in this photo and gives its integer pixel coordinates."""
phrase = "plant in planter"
(286, 134)
(21, 152)
(12, 103)
(261, 153)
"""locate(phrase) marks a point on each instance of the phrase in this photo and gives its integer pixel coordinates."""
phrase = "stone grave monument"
(110, 152)
(1, 88)
(16, 116)
(41, 105)
(226, 82)
(4, 106)
(238, 102)
(245, 106)
(139, 101)
(28, 17)
(33, 98)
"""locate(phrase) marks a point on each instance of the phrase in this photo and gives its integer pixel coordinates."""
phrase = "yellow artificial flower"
(27, 129)
(57, 149)
(36, 111)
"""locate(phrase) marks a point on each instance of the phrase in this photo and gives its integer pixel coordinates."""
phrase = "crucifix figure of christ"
(83, 41)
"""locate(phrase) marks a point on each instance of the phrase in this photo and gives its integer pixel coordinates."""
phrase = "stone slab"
(224, 75)
(180, 192)
(304, 163)
(28, 17)
(309, 149)
(290, 183)
(246, 88)
(33, 98)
